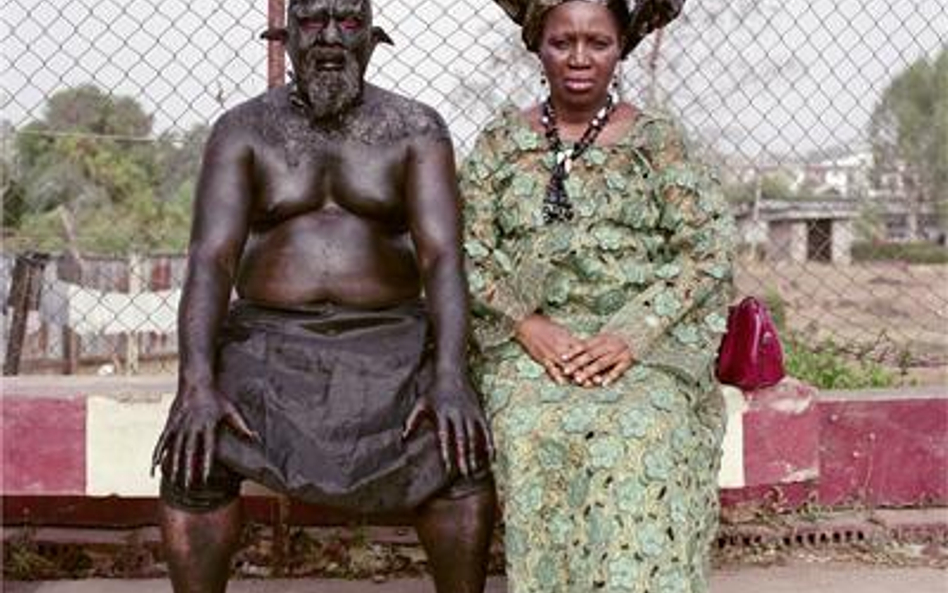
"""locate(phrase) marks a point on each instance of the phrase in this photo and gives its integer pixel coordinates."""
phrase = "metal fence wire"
(828, 120)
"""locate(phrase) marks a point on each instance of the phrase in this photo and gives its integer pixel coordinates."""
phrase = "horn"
(380, 36)
(274, 34)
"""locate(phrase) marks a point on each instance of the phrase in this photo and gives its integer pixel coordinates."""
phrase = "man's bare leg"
(199, 546)
(456, 535)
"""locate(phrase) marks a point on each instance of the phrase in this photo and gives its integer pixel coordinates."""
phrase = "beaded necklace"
(556, 204)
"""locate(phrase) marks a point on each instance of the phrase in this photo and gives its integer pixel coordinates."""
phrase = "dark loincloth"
(328, 390)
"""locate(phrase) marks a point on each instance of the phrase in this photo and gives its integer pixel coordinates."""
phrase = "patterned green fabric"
(606, 489)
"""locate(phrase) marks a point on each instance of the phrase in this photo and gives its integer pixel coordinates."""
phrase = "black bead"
(556, 204)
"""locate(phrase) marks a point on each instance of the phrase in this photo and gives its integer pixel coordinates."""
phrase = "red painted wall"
(891, 452)
(43, 445)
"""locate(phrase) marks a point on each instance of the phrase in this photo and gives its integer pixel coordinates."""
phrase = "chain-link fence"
(827, 118)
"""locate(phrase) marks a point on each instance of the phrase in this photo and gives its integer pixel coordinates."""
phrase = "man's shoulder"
(254, 114)
(404, 117)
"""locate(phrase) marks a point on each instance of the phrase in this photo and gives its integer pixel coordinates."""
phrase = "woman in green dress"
(599, 259)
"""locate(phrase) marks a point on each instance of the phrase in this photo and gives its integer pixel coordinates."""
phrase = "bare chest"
(293, 178)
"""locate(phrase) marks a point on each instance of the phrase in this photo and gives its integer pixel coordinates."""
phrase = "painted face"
(329, 43)
(579, 50)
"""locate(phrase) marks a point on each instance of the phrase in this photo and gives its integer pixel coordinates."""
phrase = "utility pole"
(276, 57)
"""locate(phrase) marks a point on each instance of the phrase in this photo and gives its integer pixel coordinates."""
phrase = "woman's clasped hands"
(597, 361)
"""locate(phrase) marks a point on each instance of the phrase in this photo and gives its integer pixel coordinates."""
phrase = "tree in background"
(11, 191)
(178, 160)
(909, 136)
(94, 179)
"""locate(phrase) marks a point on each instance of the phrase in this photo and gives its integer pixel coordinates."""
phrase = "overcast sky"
(787, 78)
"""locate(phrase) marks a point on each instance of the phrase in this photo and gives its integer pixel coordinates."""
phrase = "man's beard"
(330, 93)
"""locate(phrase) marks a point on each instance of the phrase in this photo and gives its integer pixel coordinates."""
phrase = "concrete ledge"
(886, 394)
(134, 388)
(89, 439)
(781, 434)
(878, 448)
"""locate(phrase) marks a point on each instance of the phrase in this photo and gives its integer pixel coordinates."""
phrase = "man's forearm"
(204, 303)
(448, 308)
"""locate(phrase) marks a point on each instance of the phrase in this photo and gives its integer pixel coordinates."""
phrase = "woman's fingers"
(591, 371)
(617, 371)
(567, 358)
(571, 350)
(602, 354)
(548, 354)
(555, 371)
(600, 360)
(545, 339)
(591, 354)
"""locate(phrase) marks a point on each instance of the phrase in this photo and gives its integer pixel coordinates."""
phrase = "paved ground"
(795, 578)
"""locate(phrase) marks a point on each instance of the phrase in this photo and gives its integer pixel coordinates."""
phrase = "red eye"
(351, 24)
(313, 24)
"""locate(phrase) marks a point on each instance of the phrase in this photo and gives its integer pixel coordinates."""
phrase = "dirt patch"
(344, 552)
(747, 536)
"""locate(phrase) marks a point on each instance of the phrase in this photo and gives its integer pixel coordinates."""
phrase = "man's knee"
(220, 489)
(479, 485)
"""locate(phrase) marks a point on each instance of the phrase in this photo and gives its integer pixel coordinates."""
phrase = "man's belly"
(340, 259)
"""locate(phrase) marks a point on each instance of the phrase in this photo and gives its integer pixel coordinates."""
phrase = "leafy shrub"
(824, 366)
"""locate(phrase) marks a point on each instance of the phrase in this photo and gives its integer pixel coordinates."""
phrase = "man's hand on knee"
(455, 411)
(187, 444)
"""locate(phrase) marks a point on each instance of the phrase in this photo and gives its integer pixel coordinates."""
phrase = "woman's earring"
(617, 86)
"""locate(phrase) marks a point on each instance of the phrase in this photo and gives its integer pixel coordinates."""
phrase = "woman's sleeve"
(677, 321)
(500, 295)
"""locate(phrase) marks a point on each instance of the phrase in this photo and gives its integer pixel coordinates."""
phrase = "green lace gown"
(604, 489)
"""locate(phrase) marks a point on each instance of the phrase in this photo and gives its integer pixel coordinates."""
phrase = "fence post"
(25, 287)
(135, 274)
(70, 269)
(276, 58)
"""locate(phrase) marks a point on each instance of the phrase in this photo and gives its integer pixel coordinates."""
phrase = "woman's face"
(579, 50)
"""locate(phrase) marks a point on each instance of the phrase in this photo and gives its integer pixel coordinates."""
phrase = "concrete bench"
(77, 449)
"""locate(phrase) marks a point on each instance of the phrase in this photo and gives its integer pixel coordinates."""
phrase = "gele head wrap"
(637, 18)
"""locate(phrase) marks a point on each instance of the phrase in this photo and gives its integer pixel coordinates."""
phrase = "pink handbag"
(750, 355)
